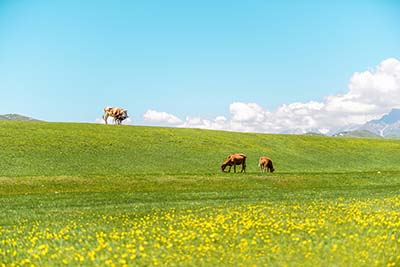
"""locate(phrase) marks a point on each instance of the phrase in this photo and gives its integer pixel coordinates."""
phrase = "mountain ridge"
(387, 126)
(16, 117)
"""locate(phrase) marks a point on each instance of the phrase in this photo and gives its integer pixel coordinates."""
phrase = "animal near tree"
(265, 164)
(233, 160)
(118, 114)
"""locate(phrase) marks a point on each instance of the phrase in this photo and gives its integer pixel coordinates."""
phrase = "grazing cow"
(118, 114)
(233, 160)
(265, 164)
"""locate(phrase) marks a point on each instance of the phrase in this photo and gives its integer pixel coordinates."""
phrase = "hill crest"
(16, 117)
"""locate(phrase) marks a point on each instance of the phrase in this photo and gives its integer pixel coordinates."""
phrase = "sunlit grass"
(95, 195)
(91, 150)
(343, 232)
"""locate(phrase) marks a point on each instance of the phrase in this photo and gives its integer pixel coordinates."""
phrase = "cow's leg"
(234, 167)
(105, 117)
(243, 167)
(230, 166)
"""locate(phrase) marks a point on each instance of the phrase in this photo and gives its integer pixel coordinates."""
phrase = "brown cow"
(233, 160)
(118, 114)
(265, 164)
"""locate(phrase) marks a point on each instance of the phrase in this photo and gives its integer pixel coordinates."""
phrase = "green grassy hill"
(104, 195)
(56, 149)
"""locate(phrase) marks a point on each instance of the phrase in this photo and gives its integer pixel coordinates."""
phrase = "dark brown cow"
(265, 164)
(233, 160)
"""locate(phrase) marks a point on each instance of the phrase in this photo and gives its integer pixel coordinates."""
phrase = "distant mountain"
(358, 134)
(16, 117)
(347, 128)
(392, 117)
(314, 134)
(309, 131)
(387, 126)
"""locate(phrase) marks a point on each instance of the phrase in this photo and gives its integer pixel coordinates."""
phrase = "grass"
(83, 150)
(96, 195)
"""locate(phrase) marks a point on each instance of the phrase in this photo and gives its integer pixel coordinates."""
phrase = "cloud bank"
(110, 120)
(370, 94)
(154, 116)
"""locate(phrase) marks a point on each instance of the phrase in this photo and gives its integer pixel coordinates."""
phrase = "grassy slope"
(57, 173)
(162, 166)
(82, 150)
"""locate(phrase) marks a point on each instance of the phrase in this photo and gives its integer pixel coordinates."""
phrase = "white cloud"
(219, 123)
(370, 94)
(99, 120)
(127, 121)
(247, 112)
(154, 116)
(111, 121)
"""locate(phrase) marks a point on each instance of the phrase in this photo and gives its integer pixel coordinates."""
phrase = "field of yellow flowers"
(325, 232)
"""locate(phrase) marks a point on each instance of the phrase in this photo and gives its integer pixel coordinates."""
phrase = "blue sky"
(66, 60)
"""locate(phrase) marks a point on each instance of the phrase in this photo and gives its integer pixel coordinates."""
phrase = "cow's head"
(223, 166)
(123, 115)
(226, 163)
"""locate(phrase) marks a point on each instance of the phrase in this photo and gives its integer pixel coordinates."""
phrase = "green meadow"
(104, 195)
